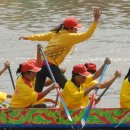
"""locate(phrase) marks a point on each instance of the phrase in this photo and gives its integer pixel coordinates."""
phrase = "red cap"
(90, 66)
(27, 66)
(80, 69)
(71, 22)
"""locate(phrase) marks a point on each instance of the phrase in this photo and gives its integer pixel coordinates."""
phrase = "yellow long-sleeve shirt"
(125, 94)
(24, 95)
(74, 96)
(61, 43)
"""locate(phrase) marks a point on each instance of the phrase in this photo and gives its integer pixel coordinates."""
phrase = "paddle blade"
(69, 117)
(86, 114)
(65, 108)
(83, 122)
(87, 111)
(122, 119)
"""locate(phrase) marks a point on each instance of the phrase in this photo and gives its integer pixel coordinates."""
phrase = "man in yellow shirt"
(61, 40)
(76, 90)
(125, 92)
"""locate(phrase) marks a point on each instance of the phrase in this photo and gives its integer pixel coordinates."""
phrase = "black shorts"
(44, 73)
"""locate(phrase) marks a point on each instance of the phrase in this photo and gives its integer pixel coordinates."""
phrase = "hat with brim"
(85, 74)
(90, 66)
(80, 69)
(27, 66)
(79, 26)
(35, 69)
(71, 22)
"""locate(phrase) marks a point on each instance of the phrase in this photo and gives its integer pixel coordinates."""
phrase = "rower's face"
(81, 79)
(31, 76)
(73, 30)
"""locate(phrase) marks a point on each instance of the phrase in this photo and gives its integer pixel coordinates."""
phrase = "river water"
(111, 38)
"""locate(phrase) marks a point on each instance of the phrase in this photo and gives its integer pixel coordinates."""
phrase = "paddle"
(99, 98)
(62, 101)
(11, 77)
(88, 108)
(122, 119)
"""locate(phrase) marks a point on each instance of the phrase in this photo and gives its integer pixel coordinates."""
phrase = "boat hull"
(33, 118)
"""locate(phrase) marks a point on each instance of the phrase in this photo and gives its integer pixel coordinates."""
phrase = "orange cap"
(27, 66)
(71, 22)
(80, 69)
(90, 66)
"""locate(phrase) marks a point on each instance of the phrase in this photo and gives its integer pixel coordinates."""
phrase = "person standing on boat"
(77, 89)
(61, 40)
(24, 95)
(125, 92)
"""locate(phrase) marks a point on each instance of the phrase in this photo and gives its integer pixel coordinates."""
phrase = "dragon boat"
(55, 118)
